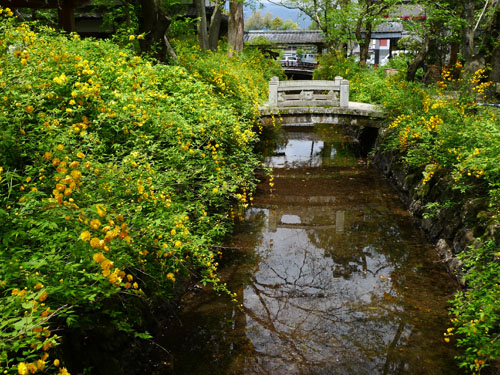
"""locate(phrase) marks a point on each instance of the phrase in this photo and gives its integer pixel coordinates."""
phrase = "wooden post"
(273, 91)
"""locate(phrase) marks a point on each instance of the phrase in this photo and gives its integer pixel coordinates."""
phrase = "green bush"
(116, 177)
(438, 129)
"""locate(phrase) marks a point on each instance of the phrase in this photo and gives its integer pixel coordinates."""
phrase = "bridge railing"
(309, 93)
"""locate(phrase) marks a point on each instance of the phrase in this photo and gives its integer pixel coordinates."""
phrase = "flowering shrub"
(439, 128)
(116, 175)
(241, 81)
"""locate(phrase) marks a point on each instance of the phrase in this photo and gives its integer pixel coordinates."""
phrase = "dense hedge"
(117, 175)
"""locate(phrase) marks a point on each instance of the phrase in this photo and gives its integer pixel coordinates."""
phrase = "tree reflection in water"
(339, 281)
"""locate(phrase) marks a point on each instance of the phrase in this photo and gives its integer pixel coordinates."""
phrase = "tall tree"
(202, 23)
(289, 25)
(236, 27)
(154, 23)
(255, 21)
(215, 22)
(276, 23)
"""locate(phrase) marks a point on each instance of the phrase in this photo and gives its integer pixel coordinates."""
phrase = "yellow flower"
(131, 37)
(173, 232)
(76, 174)
(56, 362)
(99, 257)
(85, 236)
(170, 276)
(215, 190)
(22, 369)
(60, 147)
(43, 297)
(101, 211)
(106, 264)
(95, 224)
(96, 243)
(29, 109)
(81, 155)
(63, 371)
(178, 244)
(135, 285)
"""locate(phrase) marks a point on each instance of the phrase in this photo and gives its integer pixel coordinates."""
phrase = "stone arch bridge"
(302, 103)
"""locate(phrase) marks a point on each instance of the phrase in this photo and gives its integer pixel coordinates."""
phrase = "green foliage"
(476, 310)
(366, 85)
(257, 22)
(259, 41)
(236, 81)
(116, 177)
(440, 129)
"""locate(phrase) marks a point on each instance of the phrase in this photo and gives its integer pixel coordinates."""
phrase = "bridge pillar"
(273, 91)
(344, 93)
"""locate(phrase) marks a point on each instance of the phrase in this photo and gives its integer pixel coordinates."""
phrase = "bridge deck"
(359, 114)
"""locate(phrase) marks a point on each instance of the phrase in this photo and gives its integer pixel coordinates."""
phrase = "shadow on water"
(331, 274)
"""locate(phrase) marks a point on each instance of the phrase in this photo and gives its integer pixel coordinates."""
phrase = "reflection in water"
(332, 276)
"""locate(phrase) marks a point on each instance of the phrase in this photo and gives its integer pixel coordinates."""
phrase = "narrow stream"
(331, 273)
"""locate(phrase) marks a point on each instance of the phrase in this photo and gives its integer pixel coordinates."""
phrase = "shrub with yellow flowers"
(117, 175)
(440, 130)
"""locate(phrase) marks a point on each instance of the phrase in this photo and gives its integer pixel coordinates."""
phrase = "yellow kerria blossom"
(96, 243)
(81, 155)
(95, 224)
(63, 371)
(76, 174)
(106, 264)
(29, 109)
(43, 297)
(99, 257)
(56, 362)
(85, 236)
(101, 211)
(22, 369)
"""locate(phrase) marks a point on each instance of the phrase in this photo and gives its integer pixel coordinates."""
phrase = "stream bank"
(451, 220)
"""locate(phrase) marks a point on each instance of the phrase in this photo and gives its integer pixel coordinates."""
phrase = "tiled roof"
(286, 37)
(384, 30)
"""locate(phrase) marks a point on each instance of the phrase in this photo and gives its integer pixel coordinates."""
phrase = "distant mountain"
(284, 13)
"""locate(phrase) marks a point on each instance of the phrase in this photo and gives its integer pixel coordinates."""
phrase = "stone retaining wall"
(459, 220)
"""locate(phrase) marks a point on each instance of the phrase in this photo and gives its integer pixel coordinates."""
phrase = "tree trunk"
(364, 43)
(235, 32)
(154, 25)
(468, 33)
(214, 29)
(170, 50)
(202, 23)
(492, 45)
(418, 61)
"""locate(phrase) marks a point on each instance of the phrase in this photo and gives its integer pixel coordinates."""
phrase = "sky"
(278, 11)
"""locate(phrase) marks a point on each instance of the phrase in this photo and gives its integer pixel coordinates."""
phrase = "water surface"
(332, 276)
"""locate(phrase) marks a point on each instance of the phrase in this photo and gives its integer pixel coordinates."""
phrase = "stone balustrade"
(309, 93)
